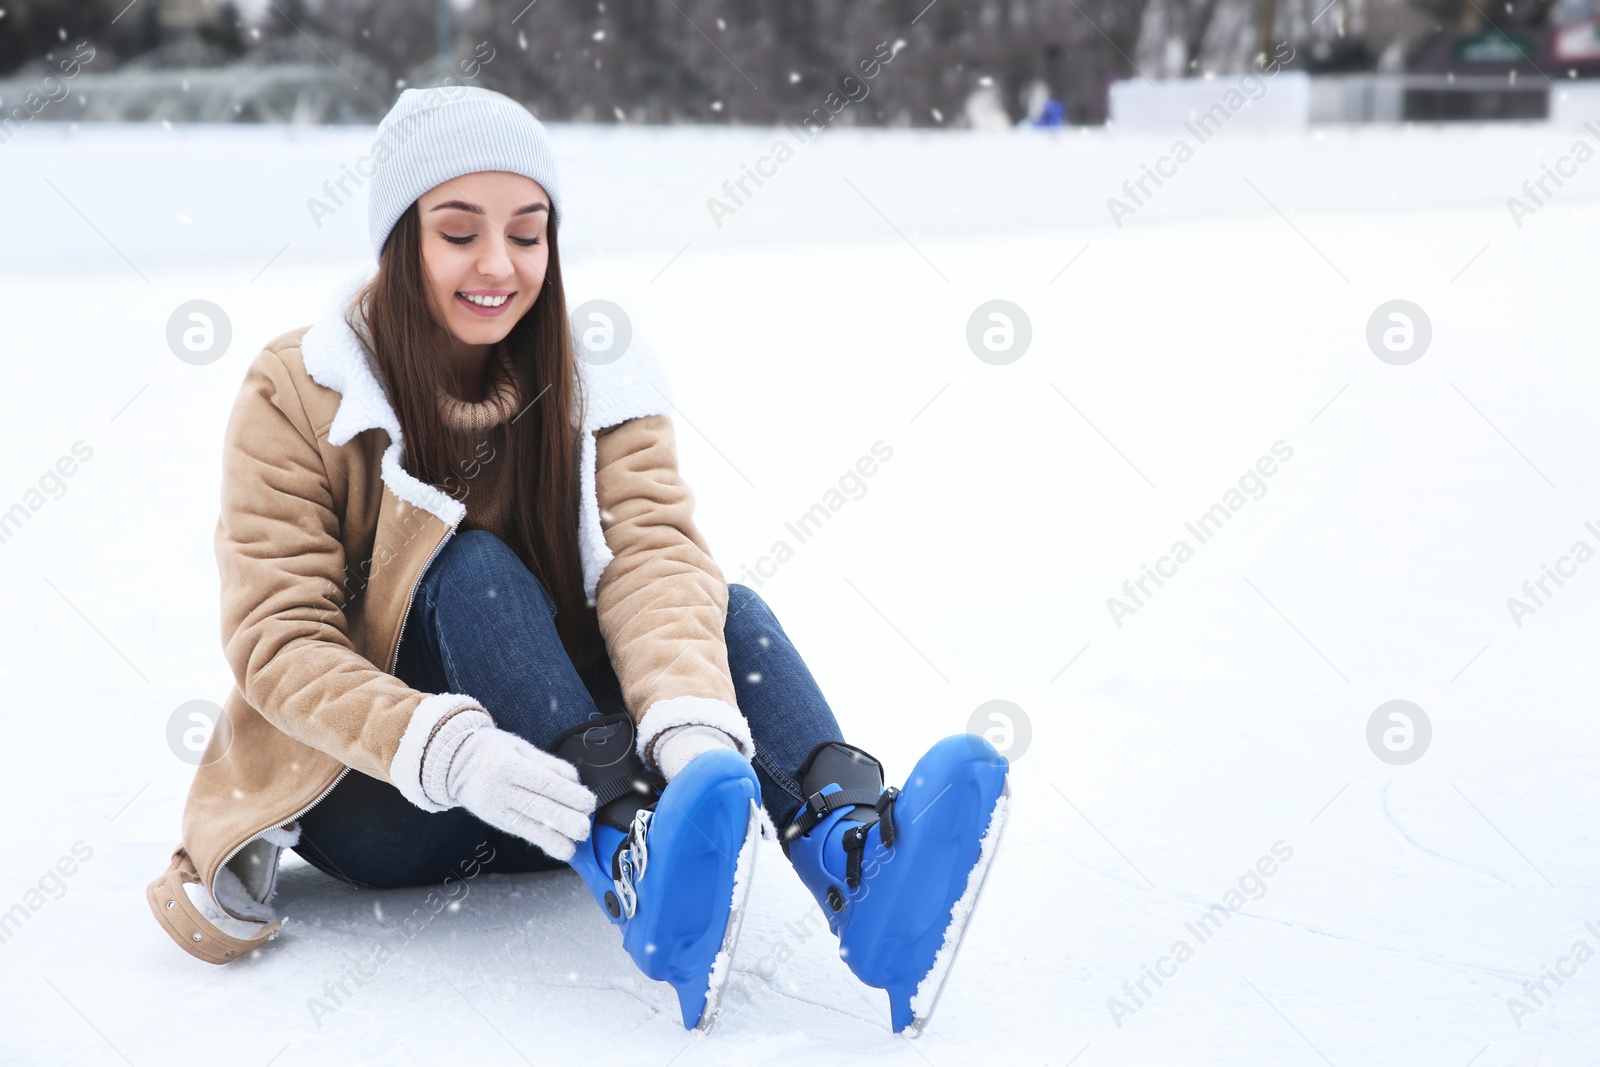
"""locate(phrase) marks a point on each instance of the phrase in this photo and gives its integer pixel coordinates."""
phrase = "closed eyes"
(525, 242)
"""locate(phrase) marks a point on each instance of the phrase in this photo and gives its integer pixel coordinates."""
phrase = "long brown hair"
(540, 443)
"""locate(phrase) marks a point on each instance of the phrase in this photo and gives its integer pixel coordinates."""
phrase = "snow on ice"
(1439, 907)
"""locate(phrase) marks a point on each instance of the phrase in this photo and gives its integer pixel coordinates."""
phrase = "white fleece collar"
(338, 358)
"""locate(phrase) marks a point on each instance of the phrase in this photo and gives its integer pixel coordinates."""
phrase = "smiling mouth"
(485, 304)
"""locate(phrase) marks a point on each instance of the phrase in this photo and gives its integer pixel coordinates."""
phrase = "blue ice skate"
(899, 872)
(670, 863)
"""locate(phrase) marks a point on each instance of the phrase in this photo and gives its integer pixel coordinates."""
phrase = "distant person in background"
(476, 628)
(1041, 108)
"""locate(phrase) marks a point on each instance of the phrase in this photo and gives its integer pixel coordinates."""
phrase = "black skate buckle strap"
(819, 805)
(855, 843)
(647, 784)
(885, 810)
(855, 838)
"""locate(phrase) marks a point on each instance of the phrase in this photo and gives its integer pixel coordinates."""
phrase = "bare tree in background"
(1266, 18)
(1101, 51)
(772, 62)
(775, 61)
(1191, 21)
(1190, 38)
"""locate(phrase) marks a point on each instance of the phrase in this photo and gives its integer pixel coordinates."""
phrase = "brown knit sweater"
(480, 433)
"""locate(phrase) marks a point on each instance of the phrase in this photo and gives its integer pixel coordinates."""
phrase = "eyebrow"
(462, 205)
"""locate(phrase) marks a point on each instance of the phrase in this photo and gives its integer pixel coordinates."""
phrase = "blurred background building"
(993, 63)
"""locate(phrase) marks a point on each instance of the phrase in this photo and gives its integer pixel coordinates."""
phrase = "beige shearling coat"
(321, 540)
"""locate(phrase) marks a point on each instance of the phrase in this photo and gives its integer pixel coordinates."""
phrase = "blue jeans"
(481, 623)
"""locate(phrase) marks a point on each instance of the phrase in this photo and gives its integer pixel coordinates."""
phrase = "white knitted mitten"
(507, 782)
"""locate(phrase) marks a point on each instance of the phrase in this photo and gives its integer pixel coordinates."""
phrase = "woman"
(474, 626)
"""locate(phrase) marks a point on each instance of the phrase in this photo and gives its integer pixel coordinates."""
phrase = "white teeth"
(485, 301)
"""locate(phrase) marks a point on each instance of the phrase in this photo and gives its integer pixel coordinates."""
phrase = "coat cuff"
(405, 770)
(701, 711)
(440, 753)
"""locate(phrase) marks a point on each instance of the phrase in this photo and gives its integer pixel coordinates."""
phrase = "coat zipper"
(394, 661)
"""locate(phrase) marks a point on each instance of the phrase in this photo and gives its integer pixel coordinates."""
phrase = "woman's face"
(484, 252)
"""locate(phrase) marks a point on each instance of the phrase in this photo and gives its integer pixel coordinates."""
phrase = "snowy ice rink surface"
(1225, 718)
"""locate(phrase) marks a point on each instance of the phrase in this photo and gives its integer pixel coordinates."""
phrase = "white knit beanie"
(433, 135)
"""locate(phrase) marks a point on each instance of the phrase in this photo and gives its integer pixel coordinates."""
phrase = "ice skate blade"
(958, 929)
(693, 881)
(744, 868)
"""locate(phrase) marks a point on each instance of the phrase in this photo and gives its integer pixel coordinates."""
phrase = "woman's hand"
(508, 783)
